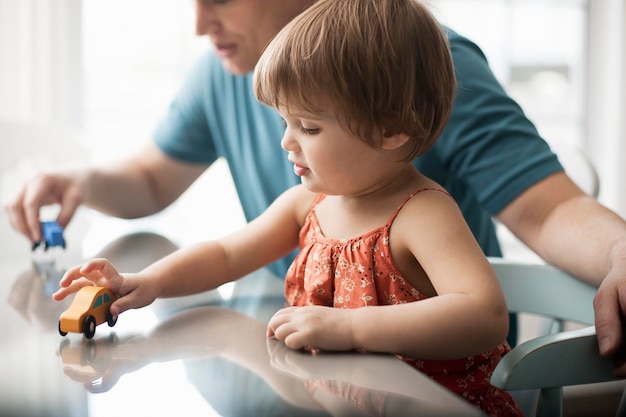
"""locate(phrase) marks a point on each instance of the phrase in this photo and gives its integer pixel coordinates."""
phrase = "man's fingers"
(35, 196)
(17, 218)
(608, 321)
(70, 202)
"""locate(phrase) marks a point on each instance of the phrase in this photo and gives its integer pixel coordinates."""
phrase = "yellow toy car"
(91, 307)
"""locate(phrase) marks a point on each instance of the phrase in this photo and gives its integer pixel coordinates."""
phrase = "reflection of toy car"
(52, 235)
(90, 358)
(92, 362)
(91, 307)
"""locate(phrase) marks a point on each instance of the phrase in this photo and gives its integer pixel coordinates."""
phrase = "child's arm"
(202, 266)
(467, 316)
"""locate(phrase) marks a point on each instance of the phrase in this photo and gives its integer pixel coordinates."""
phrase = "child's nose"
(288, 142)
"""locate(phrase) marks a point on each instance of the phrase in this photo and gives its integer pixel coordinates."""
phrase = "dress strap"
(318, 200)
(321, 197)
(395, 213)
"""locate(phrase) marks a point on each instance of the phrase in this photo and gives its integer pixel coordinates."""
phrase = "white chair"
(565, 358)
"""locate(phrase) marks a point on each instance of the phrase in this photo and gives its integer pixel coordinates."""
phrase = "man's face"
(240, 29)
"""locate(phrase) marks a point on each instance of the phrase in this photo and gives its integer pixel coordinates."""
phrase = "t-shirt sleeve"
(489, 144)
(183, 133)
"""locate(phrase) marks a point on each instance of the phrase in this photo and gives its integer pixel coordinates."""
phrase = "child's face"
(329, 159)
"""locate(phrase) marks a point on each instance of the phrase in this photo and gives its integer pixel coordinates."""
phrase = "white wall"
(606, 111)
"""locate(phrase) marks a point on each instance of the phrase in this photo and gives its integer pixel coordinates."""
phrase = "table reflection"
(221, 344)
(31, 295)
(223, 348)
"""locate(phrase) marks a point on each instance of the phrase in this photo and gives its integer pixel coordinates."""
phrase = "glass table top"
(205, 355)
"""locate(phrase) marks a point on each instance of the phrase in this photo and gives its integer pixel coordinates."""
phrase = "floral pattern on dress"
(359, 272)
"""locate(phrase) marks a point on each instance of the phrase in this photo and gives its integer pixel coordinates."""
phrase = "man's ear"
(392, 141)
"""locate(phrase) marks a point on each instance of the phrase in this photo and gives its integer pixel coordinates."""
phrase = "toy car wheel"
(111, 319)
(89, 327)
(61, 332)
(113, 339)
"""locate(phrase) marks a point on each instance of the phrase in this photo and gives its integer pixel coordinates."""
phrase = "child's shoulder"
(300, 198)
(429, 204)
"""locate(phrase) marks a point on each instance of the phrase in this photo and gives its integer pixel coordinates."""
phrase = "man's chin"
(235, 68)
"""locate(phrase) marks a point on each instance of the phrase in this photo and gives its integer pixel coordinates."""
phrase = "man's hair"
(380, 65)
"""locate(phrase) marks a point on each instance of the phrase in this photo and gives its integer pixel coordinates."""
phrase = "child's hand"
(131, 290)
(315, 327)
(98, 272)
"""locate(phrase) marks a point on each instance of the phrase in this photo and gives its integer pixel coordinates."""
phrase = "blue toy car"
(52, 235)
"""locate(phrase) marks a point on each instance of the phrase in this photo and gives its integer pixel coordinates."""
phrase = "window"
(98, 302)
(540, 63)
(40, 57)
(564, 61)
(135, 56)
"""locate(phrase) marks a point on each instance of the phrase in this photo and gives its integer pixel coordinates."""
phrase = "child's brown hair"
(380, 64)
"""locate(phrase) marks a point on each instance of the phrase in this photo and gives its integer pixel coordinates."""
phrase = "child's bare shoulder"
(300, 198)
(430, 207)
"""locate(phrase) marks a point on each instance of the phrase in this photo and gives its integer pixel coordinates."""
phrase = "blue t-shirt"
(488, 154)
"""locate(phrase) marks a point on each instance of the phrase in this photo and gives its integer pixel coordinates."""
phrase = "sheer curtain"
(40, 61)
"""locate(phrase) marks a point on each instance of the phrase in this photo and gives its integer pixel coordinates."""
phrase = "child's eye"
(304, 130)
(310, 131)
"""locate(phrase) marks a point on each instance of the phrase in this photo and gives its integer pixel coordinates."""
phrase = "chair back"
(548, 363)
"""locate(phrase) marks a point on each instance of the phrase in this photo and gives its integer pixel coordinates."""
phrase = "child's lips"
(299, 170)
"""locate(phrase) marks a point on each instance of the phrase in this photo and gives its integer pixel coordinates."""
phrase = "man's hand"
(610, 315)
(64, 189)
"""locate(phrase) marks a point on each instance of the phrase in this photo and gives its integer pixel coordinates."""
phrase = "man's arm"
(573, 231)
(140, 185)
(143, 184)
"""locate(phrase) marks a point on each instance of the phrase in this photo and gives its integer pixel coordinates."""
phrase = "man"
(489, 157)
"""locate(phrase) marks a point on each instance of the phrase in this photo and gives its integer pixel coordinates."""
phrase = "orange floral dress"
(359, 272)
